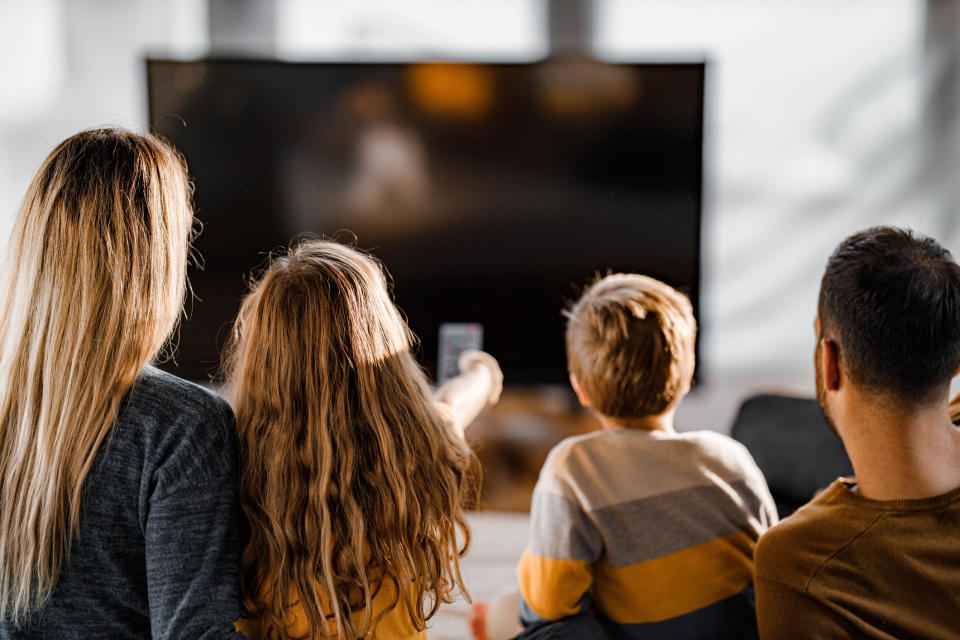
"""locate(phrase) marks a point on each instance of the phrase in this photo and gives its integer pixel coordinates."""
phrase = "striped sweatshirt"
(653, 532)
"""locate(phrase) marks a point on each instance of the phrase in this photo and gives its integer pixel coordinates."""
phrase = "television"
(492, 193)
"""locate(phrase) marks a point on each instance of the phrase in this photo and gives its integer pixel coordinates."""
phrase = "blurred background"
(819, 118)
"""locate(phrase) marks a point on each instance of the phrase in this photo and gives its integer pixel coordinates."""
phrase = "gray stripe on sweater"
(560, 529)
(642, 529)
(653, 527)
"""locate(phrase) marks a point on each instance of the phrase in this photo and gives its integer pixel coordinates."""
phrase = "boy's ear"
(577, 389)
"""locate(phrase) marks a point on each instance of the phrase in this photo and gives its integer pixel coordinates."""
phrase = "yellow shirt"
(397, 624)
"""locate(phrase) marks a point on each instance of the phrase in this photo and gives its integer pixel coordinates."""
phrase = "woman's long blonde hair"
(351, 478)
(92, 284)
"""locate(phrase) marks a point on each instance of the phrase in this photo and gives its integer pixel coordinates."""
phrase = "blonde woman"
(117, 481)
(353, 479)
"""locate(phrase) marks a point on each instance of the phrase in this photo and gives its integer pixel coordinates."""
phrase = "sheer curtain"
(814, 130)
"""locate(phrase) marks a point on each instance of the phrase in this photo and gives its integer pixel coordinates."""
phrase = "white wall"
(813, 113)
(484, 30)
(813, 120)
(67, 65)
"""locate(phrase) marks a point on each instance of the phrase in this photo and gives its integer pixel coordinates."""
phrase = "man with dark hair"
(878, 556)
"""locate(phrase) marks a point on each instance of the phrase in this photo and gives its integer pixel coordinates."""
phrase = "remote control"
(455, 338)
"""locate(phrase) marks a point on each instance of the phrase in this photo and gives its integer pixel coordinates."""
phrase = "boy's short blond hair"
(630, 343)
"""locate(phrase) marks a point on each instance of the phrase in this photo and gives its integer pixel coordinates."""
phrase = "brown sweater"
(845, 566)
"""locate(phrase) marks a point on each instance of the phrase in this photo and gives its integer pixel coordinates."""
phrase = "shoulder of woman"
(185, 430)
(165, 395)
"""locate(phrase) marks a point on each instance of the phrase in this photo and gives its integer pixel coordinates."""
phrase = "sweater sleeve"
(785, 560)
(556, 571)
(765, 506)
(190, 536)
(786, 613)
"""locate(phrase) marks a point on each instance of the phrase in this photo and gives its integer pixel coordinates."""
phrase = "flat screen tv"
(492, 192)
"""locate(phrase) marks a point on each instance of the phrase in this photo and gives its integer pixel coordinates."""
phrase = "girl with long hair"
(353, 478)
(117, 481)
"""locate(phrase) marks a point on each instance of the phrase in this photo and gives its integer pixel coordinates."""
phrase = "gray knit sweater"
(156, 554)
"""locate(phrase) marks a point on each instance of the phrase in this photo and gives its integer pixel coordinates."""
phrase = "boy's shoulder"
(562, 451)
(722, 456)
(685, 445)
(645, 461)
(584, 449)
(720, 446)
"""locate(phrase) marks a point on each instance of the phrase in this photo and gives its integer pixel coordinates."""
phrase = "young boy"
(637, 530)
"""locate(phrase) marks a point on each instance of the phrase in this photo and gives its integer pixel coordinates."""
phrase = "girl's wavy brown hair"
(351, 477)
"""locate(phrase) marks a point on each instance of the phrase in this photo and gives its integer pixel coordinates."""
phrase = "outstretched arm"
(479, 384)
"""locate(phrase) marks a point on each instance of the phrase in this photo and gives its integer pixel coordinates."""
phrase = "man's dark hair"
(891, 299)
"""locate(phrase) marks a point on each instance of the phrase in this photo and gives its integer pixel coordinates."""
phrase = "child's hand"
(478, 385)
(481, 360)
(478, 621)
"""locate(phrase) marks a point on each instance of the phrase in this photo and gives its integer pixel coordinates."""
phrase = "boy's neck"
(659, 422)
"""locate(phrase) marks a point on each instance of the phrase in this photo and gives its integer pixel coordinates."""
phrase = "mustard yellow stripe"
(553, 588)
(396, 625)
(674, 584)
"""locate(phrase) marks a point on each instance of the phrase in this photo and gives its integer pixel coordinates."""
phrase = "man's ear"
(830, 370)
(577, 389)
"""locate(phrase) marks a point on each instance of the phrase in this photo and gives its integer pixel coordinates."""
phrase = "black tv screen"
(492, 192)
